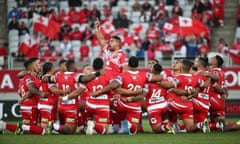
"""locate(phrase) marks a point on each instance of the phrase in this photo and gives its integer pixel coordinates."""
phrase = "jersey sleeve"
(123, 59)
(119, 79)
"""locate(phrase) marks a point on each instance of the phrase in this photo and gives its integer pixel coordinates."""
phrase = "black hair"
(157, 68)
(98, 64)
(28, 62)
(157, 62)
(194, 68)
(47, 67)
(117, 38)
(69, 64)
(187, 64)
(133, 62)
(203, 61)
(61, 61)
(219, 61)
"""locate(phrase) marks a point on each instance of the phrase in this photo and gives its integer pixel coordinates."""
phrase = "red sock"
(133, 129)
(165, 127)
(99, 128)
(11, 127)
(117, 117)
(81, 118)
(181, 127)
(213, 126)
(36, 129)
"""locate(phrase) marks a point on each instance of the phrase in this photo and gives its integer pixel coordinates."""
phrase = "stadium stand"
(122, 7)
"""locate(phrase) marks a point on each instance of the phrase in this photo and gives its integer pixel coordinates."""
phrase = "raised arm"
(100, 37)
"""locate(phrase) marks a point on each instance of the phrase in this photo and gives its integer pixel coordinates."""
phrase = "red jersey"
(202, 98)
(182, 81)
(156, 94)
(97, 84)
(114, 60)
(51, 98)
(67, 81)
(215, 98)
(26, 80)
(133, 80)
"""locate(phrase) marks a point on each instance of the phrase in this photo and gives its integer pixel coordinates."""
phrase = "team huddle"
(110, 95)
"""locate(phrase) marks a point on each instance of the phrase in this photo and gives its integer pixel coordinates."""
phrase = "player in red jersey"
(157, 104)
(29, 92)
(68, 110)
(48, 105)
(201, 99)
(114, 57)
(86, 70)
(178, 100)
(128, 104)
(98, 105)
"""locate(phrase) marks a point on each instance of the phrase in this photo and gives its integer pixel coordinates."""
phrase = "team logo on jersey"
(29, 80)
(176, 80)
(119, 78)
(153, 120)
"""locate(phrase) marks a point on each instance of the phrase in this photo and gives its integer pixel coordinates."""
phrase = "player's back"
(133, 80)
(97, 84)
(156, 94)
(67, 82)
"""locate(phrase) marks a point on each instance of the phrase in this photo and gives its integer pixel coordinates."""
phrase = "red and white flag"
(108, 26)
(171, 28)
(235, 55)
(46, 26)
(190, 26)
(29, 47)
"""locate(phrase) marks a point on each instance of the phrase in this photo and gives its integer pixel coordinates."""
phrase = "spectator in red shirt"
(222, 46)
(153, 31)
(84, 51)
(203, 49)
(64, 17)
(76, 34)
(65, 30)
(75, 16)
(87, 34)
(218, 12)
(236, 46)
(177, 9)
(84, 14)
(106, 11)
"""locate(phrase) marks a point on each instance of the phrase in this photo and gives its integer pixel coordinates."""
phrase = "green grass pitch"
(141, 138)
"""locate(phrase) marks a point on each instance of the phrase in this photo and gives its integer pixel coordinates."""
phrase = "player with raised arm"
(114, 57)
(127, 103)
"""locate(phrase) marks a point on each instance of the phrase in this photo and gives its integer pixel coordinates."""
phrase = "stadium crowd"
(110, 95)
(140, 24)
